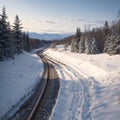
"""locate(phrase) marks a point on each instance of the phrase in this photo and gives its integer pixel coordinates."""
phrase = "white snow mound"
(17, 78)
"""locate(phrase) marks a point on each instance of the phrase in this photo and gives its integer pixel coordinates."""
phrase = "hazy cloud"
(96, 21)
(40, 21)
(72, 20)
(47, 21)
(50, 22)
(76, 20)
(87, 21)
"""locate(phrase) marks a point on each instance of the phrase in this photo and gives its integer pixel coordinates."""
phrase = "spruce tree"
(28, 43)
(24, 40)
(106, 28)
(1, 40)
(77, 39)
(17, 33)
(94, 47)
(87, 45)
(82, 45)
(6, 44)
(118, 33)
(72, 45)
(106, 34)
(114, 42)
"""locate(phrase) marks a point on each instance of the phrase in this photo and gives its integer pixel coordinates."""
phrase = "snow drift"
(17, 79)
(101, 74)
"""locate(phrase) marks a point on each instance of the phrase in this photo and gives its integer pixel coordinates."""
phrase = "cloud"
(87, 21)
(72, 20)
(96, 21)
(50, 22)
(40, 21)
(47, 21)
(76, 20)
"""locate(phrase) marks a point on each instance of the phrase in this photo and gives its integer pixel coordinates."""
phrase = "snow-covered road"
(73, 102)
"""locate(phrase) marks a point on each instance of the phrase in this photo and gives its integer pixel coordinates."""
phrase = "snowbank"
(102, 77)
(97, 66)
(17, 78)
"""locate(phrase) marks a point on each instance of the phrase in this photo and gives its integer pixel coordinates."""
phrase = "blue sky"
(61, 16)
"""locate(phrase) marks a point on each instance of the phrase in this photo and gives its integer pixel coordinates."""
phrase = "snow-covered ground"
(89, 88)
(17, 80)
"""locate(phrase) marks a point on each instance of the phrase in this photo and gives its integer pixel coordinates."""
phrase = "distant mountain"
(48, 36)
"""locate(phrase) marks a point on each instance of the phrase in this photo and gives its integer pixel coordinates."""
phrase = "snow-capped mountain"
(48, 36)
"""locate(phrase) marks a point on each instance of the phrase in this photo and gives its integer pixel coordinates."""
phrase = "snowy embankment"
(102, 77)
(18, 79)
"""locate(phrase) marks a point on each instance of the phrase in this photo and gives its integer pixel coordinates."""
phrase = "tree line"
(105, 39)
(12, 39)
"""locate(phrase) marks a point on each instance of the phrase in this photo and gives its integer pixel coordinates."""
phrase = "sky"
(60, 16)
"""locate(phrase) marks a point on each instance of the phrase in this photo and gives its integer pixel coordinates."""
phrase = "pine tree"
(82, 45)
(24, 40)
(106, 45)
(87, 45)
(1, 40)
(114, 42)
(118, 33)
(76, 40)
(6, 44)
(10, 43)
(3, 28)
(118, 44)
(118, 22)
(93, 47)
(28, 43)
(106, 34)
(17, 33)
(106, 28)
(76, 45)
(72, 45)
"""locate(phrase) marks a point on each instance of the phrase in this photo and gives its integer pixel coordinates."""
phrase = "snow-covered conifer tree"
(17, 33)
(76, 40)
(106, 34)
(82, 45)
(87, 45)
(76, 45)
(118, 44)
(93, 46)
(6, 43)
(1, 40)
(28, 43)
(114, 42)
(72, 45)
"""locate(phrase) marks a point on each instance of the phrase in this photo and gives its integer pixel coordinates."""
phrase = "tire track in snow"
(81, 94)
(79, 108)
(77, 96)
